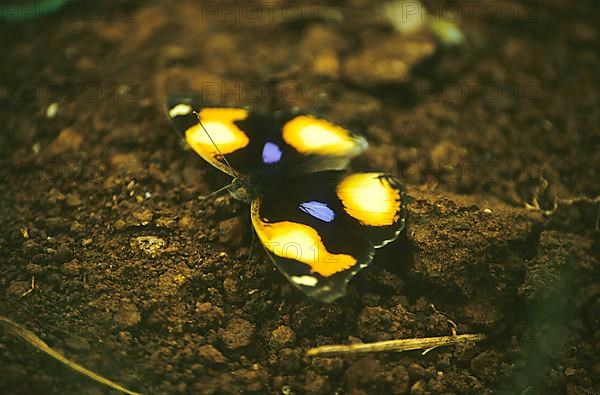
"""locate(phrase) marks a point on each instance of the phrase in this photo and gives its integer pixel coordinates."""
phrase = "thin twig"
(30, 290)
(17, 330)
(395, 345)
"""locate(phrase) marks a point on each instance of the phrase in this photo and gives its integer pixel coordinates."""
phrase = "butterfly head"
(240, 190)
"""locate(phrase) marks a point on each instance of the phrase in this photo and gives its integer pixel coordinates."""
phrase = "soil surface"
(496, 139)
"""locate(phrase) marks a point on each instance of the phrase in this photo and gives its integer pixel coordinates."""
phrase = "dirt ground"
(496, 139)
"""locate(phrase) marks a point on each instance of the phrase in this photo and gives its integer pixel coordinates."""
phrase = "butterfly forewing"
(262, 146)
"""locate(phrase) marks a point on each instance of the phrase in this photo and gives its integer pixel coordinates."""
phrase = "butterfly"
(319, 223)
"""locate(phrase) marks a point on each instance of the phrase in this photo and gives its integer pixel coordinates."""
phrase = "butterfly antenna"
(203, 198)
(213, 143)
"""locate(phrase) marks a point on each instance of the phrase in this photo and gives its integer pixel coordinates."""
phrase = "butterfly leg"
(251, 242)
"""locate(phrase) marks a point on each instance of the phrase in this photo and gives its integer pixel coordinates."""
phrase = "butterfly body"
(319, 223)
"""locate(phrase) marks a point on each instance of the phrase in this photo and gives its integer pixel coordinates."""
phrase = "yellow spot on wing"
(370, 198)
(310, 135)
(299, 242)
(219, 123)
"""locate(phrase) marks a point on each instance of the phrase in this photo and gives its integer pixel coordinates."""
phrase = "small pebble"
(125, 336)
(52, 110)
(171, 281)
(63, 254)
(30, 248)
(36, 148)
(387, 61)
(67, 140)
(157, 173)
(208, 314)
(570, 372)
(120, 225)
(231, 232)
(282, 336)
(143, 217)
(32, 268)
(127, 164)
(73, 200)
(149, 245)
(418, 388)
(55, 196)
(128, 315)
(210, 354)
(231, 287)
(166, 222)
(405, 16)
(237, 334)
(55, 225)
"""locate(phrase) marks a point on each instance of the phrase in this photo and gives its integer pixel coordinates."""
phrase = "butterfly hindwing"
(252, 144)
(323, 227)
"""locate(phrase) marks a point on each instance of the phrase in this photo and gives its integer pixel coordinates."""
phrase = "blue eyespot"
(271, 153)
(318, 210)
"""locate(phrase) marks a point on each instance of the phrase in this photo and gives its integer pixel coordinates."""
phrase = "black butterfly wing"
(251, 144)
(323, 228)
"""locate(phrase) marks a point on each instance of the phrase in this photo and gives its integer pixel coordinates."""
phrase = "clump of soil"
(138, 280)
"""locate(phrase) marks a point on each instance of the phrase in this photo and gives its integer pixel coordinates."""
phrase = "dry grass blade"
(17, 330)
(425, 343)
